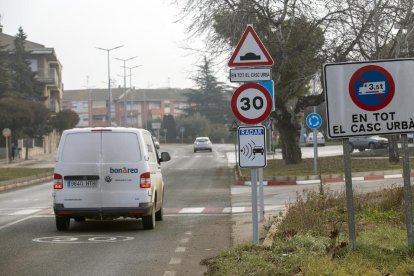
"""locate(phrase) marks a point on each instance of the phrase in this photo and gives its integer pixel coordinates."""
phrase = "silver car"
(367, 142)
(202, 143)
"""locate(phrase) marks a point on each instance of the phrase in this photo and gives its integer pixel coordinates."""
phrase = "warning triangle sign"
(250, 51)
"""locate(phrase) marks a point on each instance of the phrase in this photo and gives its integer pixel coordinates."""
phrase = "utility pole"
(109, 82)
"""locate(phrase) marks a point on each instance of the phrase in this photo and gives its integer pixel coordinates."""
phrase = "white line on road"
(195, 210)
(14, 222)
(25, 212)
(180, 249)
(175, 261)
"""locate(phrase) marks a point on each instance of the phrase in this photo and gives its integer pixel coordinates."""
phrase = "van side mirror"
(165, 156)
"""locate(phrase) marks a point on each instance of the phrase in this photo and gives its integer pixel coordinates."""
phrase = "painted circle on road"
(371, 88)
(83, 239)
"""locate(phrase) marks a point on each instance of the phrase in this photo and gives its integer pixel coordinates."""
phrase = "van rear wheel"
(159, 214)
(148, 222)
(62, 223)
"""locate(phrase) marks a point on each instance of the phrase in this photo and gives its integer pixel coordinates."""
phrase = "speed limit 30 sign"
(251, 103)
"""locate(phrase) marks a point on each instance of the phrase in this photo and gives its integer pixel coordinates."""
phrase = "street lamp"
(125, 110)
(109, 82)
(130, 87)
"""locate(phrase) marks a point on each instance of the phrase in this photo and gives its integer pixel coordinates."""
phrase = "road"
(204, 213)
(196, 226)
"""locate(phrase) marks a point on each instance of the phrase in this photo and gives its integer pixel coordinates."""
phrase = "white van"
(108, 173)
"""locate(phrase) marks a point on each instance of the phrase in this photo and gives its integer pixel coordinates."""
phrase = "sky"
(74, 28)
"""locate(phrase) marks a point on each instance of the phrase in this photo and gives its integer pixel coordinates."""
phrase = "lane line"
(15, 222)
(180, 249)
(175, 261)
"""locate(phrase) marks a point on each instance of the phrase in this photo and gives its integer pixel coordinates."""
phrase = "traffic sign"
(250, 74)
(251, 103)
(368, 98)
(252, 147)
(6, 132)
(314, 120)
(371, 87)
(250, 51)
(270, 87)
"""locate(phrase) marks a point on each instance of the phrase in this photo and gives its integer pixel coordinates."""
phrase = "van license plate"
(82, 183)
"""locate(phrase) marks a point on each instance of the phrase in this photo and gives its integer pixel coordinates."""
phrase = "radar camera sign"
(366, 98)
(252, 147)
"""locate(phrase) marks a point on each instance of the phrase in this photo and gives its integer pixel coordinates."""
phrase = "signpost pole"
(7, 150)
(254, 206)
(315, 151)
(407, 191)
(349, 193)
(261, 195)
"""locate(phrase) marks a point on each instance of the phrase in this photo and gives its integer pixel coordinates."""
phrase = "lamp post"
(130, 87)
(109, 82)
(125, 109)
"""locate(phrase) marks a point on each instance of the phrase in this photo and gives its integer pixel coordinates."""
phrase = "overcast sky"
(74, 28)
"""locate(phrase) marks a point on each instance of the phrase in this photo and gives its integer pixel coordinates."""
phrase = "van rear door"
(121, 169)
(79, 167)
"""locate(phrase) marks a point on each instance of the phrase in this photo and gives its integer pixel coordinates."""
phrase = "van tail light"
(145, 180)
(57, 181)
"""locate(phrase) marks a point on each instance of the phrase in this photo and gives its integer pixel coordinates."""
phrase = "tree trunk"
(289, 137)
(393, 155)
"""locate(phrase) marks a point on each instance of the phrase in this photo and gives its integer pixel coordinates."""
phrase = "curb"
(324, 180)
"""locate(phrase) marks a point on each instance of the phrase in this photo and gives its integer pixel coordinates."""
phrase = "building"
(44, 62)
(130, 107)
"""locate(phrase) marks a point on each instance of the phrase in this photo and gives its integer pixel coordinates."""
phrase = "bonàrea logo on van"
(123, 170)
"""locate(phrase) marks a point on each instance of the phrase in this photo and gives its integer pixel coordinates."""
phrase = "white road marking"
(169, 273)
(180, 249)
(25, 212)
(195, 210)
(175, 261)
(14, 222)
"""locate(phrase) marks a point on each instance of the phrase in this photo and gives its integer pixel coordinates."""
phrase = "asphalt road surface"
(196, 226)
(204, 213)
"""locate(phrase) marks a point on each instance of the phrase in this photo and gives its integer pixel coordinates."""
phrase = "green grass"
(326, 165)
(13, 173)
(312, 239)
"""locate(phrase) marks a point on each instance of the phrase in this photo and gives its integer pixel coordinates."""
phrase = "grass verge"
(13, 173)
(326, 166)
(312, 239)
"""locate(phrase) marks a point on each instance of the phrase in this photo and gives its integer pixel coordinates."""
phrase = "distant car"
(367, 142)
(202, 143)
(320, 139)
(156, 143)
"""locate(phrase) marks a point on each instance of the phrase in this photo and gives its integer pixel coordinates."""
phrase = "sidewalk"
(37, 161)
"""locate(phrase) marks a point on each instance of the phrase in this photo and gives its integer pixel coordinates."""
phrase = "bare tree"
(301, 35)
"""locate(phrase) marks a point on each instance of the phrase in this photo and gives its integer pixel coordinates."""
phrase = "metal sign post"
(349, 193)
(261, 195)
(254, 206)
(7, 133)
(368, 98)
(407, 191)
(314, 121)
(252, 104)
(252, 154)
